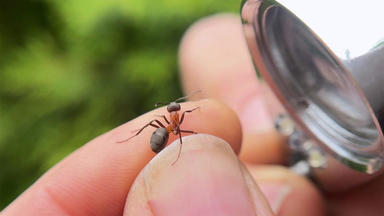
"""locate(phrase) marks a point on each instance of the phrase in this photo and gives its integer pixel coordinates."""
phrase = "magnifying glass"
(331, 85)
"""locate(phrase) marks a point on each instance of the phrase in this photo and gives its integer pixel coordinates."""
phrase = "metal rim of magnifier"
(278, 41)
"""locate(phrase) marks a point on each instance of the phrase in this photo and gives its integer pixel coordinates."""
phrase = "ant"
(160, 136)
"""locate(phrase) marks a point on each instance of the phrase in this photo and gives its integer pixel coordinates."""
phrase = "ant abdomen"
(159, 139)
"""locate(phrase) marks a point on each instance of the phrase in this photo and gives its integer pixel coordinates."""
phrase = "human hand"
(214, 58)
(206, 180)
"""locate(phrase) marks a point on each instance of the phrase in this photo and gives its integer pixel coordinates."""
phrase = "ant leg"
(163, 116)
(188, 131)
(158, 122)
(187, 111)
(149, 124)
(181, 145)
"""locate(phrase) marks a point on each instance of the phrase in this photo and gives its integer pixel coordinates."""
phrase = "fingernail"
(275, 193)
(207, 180)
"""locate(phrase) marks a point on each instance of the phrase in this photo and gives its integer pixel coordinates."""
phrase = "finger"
(207, 180)
(287, 193)
(366, 199)
(214, 58)
(95, 179)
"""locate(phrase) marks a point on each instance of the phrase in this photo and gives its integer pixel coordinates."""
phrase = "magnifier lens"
(317, 89)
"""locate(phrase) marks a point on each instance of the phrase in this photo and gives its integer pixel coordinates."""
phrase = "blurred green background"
(72, 70)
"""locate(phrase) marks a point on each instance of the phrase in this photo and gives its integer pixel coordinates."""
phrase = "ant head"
(173, 106)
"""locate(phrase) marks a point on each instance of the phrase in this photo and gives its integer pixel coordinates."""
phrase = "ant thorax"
(174, 118)
(173, 122)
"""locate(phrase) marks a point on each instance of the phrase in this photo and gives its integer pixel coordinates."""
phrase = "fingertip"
(214, 45)
(219, 120)
(206, 26)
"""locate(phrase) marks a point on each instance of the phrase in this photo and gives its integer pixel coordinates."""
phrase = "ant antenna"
(161, 104)
(190, 95)
(179, 99)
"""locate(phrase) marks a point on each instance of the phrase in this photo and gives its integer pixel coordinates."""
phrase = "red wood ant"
(160, 136)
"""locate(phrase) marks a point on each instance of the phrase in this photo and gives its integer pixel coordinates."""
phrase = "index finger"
(225, 71)
(95, 179)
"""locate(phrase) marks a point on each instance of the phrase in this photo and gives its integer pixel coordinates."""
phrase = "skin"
(106, 178)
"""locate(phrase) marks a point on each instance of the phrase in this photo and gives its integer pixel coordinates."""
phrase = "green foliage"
(71, 70)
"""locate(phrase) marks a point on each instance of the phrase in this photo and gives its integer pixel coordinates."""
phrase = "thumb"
(207, 179)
